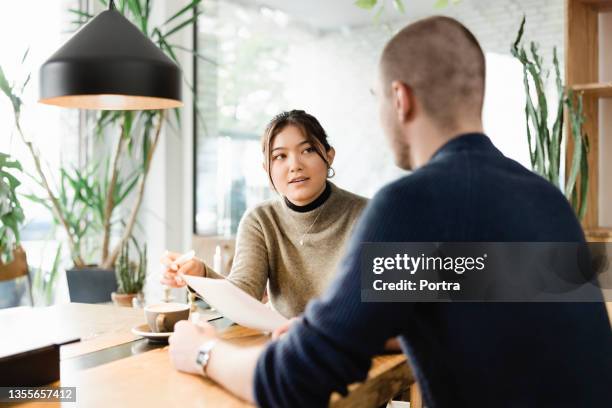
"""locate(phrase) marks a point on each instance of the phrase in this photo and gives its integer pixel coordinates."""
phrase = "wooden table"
(149, 379)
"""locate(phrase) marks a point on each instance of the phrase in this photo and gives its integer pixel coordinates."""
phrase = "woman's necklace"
(309, 228)
(301, 240)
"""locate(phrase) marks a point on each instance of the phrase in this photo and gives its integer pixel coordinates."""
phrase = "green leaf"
(441, 4)
(80, 13)
(164, 46)
(576, 124)
(53, 274)
(515, 46)
(399, 5)
(4, 85)
(25, 55)
(128, 189)
(25, 83)
(182, 25)
(366, 4)
(128, 117)
(136, 10)
(584, 181)
(37, 200)
(194, 53)
(181, 12)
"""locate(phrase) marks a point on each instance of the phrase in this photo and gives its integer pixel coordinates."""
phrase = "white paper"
(235, 304)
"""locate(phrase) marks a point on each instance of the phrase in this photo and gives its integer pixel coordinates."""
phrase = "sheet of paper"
(234, 304)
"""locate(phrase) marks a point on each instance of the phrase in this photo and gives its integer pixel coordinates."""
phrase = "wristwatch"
(204, 354)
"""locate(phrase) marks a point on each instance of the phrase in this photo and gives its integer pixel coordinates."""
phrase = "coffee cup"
(162, 317)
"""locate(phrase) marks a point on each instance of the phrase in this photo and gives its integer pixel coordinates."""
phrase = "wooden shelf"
(599, 5)
(597, 90)
(599, 234)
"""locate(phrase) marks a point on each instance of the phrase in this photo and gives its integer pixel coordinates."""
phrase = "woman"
(292, 243)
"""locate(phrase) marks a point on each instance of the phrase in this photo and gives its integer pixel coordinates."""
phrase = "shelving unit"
(598, 5)
(582, 75)
(596, 90)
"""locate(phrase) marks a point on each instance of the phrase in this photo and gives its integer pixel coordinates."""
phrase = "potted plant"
(97, 207)
(130, 276)
(13, 261)
(545, 142)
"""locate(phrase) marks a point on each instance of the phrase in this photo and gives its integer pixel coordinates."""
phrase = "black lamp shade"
(110, 64)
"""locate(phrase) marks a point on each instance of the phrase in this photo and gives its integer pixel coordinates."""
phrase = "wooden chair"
(17, 268)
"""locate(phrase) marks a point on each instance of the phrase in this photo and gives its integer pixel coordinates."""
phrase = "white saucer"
(144, 331)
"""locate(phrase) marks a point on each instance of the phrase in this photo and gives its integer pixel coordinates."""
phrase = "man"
(432, 76)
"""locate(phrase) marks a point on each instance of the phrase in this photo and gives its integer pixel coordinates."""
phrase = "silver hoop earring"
(333, 172)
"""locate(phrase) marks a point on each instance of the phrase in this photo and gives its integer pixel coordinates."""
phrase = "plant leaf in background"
(11, 213)
(545, 143)
(366, 4)
(131, 275)
(44, 282)
(441, 4)
(399, 5)
(138, 136)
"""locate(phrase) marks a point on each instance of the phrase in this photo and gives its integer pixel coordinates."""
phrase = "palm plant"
(88, 202)
(141, 128)
(545, 142)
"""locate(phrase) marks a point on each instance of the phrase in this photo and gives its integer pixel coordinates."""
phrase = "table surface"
(112, 367)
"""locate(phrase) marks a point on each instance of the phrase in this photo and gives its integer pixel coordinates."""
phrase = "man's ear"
(403, 100)
(331, 153)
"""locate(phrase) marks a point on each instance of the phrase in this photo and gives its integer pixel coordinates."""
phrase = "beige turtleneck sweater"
(268, 250)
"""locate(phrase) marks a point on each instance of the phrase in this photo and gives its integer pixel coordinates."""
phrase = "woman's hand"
(281, 330)
(171, 270)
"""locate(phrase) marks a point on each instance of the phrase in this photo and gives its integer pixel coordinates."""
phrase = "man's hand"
(185, 342)
(279, 331)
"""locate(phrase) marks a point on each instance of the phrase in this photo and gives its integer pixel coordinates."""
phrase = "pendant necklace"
(309, 228)
(301, 240)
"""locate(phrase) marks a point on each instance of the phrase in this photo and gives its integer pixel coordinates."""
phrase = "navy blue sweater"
(463, 354)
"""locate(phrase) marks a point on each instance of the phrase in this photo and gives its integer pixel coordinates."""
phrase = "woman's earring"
(331, 172)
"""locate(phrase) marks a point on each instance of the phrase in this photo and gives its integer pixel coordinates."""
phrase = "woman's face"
(297, 171)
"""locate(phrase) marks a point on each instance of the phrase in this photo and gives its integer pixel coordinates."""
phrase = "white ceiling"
(335, 14)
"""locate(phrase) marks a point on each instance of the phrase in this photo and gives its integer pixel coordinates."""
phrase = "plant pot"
(125, 299)
(91, 284)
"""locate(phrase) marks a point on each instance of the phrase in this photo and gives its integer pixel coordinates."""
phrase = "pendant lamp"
(109, 64)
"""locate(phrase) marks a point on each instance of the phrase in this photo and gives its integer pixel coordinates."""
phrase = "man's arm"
(332, 346)
(230, 366)
(234, 368)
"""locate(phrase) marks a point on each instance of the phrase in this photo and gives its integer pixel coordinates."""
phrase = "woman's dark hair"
(306, 123)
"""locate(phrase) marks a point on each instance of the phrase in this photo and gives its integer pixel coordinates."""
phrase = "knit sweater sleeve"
(250, 265)
(337, 337)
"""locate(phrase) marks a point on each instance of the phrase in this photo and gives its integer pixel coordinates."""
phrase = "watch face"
(204, 353)
(201, 357)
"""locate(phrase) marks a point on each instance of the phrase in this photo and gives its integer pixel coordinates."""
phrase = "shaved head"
(442, 63)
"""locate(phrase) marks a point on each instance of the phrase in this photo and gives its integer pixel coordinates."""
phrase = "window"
(40, 27)
(266, 61)
(238, 94)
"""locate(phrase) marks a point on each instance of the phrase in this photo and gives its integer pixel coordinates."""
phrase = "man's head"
(432, 76)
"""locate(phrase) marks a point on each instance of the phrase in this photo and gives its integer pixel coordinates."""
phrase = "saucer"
(144, 331)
